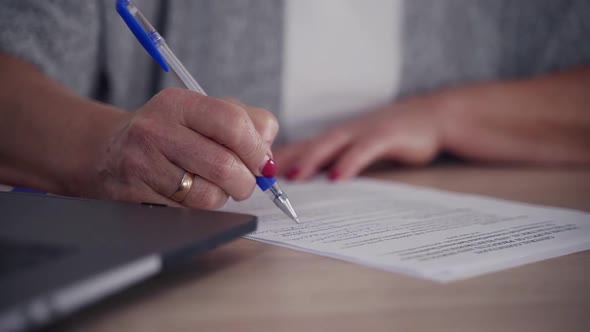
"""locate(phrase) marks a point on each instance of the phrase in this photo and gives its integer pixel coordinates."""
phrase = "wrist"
(448, 110)
(83, 175)
(48, 141)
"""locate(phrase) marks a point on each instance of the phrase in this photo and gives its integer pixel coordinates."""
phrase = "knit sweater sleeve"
(59, 37)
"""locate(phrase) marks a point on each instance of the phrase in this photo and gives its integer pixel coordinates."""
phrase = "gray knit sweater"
(234, 47)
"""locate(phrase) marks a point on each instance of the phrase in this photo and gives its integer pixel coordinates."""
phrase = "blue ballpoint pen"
(156, 46)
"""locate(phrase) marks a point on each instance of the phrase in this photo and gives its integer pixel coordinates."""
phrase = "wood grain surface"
(251, 286)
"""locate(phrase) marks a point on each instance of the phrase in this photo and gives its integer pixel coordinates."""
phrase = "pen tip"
(297, 220)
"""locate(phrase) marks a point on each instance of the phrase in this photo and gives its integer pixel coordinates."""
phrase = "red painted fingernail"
(292, 174)
(334, 175)
(270, 168)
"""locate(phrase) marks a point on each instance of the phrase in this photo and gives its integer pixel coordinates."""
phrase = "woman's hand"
(147, 152)
(542, 120)
(65, 144)
(407, 132)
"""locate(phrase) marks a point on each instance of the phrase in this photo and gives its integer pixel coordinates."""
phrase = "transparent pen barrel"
(178, 69)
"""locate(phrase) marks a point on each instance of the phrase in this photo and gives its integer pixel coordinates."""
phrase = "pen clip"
(140, 33)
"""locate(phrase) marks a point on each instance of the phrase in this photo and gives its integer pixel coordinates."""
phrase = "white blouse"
(341, 58)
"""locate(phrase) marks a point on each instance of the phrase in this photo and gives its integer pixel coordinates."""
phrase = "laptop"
(60, 254)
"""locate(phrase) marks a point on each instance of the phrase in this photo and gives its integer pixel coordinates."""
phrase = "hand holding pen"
(236, 150)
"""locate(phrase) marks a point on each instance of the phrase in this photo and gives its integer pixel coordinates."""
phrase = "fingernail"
(334, 175)
(292, 174)
(269, 168)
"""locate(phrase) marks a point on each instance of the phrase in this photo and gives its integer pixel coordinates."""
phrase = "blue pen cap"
(140, 31)
(264, 183)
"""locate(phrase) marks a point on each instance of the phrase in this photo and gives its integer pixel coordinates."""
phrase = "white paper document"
(422, 232)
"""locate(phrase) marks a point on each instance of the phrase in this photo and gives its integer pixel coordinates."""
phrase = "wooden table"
(250, 286)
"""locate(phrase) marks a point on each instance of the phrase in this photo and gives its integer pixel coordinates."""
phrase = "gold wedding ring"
(184, 187)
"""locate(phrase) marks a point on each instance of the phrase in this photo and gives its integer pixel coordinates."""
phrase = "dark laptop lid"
(58, 254)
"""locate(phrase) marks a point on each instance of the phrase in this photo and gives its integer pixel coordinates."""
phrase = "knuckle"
(240, 126)
(223, 167)
(220, 201)
(175, 102)
(316, 150)
(232, 100)
(246, 189)
(336, 135)
(317, 147)
(273, 123)
(269, 117)
(169, 94)
(163, 100)
(254, 152)
(211, 197)
(270, 122)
